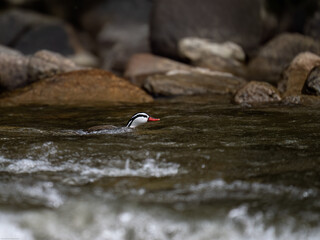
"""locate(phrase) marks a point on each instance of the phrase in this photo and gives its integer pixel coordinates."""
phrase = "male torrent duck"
(135, 121)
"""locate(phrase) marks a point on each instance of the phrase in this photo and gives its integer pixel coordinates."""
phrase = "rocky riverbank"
(107, 52)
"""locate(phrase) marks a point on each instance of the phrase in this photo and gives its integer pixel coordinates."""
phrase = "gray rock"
(122, 29)
(277, 54)
(183, 82)
(17, 70)
(312, 84)
(243, 22)
(224, 57)
(44, 64)
(13, 69)
(257, 92)
(195, 49)
(29, 32)
(312, 28)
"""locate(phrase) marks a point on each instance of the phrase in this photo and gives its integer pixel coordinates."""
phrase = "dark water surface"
(205, 171)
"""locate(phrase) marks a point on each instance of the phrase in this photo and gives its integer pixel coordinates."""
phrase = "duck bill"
(151, 119)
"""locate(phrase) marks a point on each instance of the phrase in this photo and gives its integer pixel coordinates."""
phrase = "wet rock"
(13, 69)
(277, 54)
(305, 100)
(44, 64)
(181, 82)
(296, 74)
(225, 57)
(243, 22)
(140, 66)
(29, 32)
(77, 88)
(257, 92)
(312, 84)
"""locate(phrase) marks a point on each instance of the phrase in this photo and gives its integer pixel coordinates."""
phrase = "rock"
(122, 29)
(181, 82)
(312, 84)
(17, 70)
(196, 48)
(225, 57)
(140, 66)
(243, 22)
(77, 88)
(257, 92)
(13, 69)
(296, 74)
(29, 32)
(312, 27)
(277, 54)
(44, 64)
(304, 100)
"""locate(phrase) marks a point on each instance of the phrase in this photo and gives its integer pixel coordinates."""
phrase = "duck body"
(135, 121)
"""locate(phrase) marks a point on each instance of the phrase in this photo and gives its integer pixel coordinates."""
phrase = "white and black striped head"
(139, 119)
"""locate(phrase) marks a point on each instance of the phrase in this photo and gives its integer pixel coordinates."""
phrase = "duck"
(135, 121)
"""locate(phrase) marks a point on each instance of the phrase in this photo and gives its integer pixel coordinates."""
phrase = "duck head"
(139, 119)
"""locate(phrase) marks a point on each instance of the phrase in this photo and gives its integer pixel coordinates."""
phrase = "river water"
(207, 170)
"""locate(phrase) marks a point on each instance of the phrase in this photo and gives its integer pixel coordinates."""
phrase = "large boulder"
(77, 88)
(29, 32)
(121, 28)
(277, 54)
(182, 82)
(257, 92)
(296, 74)
(243, 22)
(312, 27)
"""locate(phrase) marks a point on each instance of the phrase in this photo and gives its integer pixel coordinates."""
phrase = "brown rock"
(312, 84)
(84, 87)
(257, 92)
(142, 65)
(191, 83)
(277, 54)
(296, 74)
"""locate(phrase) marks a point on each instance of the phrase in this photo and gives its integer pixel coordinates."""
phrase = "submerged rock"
(277, 54)
(296, 74)
(83, 87)
(184, 82)
(257, 92)
(312, 84)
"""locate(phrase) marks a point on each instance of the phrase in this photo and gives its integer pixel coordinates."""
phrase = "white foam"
(42, 193)
(121, 221)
